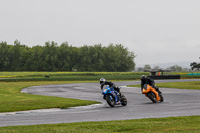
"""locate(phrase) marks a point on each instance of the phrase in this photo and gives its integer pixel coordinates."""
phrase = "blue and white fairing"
(110, 91)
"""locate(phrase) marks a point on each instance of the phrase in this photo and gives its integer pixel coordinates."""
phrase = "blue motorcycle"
(112, 97)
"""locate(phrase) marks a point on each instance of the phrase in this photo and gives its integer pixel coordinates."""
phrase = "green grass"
(11, 98)
(77, 76)
(32, 74)
(189, 124)
(68, 76)
(195, 85)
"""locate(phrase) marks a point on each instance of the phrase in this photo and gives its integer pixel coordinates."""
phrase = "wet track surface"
(178, 102)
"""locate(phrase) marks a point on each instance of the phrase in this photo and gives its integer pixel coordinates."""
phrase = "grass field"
(11, 98)
(195, 85)
(68, 76)
(77, 76)
(187, 124)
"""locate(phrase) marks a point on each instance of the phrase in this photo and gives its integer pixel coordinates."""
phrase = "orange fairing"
(148, 88)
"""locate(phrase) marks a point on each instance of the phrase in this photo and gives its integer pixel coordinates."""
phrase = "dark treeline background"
(52, 57)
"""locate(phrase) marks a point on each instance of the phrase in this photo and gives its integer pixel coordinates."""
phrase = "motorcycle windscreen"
(145, 86)
(144, 90)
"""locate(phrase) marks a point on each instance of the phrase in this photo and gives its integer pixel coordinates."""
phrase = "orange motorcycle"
(152, 94)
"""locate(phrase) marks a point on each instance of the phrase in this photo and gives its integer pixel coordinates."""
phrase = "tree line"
(195, 66)
(174, 68)
(52, 57)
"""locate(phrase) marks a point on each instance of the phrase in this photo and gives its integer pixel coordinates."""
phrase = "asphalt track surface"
(178, 102)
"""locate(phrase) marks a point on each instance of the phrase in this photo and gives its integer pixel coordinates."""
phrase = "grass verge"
(68, 76)
(195, 85)
(186, 124)
(11, 98)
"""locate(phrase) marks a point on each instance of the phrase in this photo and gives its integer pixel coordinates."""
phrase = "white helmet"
(102, 80)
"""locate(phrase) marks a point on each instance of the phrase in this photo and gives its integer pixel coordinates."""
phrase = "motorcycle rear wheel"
(124, 101)
(110, 100)
(152, 97)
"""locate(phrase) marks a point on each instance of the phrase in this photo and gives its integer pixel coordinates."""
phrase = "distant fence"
(165, 76)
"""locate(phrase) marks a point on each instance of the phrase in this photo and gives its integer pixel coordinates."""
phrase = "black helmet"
(143, 78)
(102, 80)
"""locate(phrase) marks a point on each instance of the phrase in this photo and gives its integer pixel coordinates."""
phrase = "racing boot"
(159, 92)
(117, 103)
(119, 95)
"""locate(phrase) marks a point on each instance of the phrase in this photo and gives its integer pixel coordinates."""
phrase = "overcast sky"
(157, 31)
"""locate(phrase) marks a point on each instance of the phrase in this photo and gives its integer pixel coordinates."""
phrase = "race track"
(178, 102)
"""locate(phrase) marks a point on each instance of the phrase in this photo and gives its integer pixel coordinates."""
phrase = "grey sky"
(157, 31)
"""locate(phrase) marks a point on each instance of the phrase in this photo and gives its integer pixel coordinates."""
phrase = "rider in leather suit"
(150, 81)
(104, 82)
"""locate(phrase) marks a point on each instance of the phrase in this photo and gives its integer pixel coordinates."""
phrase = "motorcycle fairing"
(147, 88)
(110, 90)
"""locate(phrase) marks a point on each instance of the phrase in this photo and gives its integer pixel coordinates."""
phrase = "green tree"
(37, 59)
(176, 68)
(50, 55)
(195, 65)
(64, 57)
(109, 58)
(84, 59)
(97, 57)
(4, 51)
(147, 66)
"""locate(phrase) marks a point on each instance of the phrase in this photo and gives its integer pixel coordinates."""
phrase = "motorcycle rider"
(150, 81)
(104, 82)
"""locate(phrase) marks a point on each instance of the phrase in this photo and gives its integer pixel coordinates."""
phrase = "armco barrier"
(165, 77)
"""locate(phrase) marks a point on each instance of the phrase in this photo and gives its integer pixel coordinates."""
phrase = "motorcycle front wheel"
(162, 99)
(152, 97)
(110, 100)
(123, 100)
